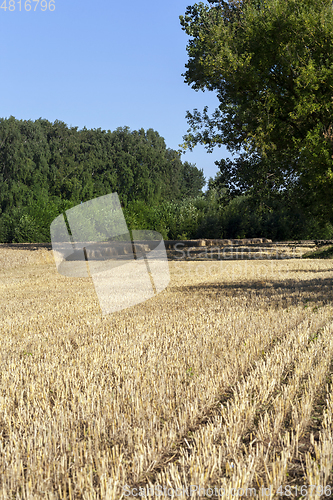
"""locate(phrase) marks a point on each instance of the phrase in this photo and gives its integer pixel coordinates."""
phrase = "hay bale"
(110, 252)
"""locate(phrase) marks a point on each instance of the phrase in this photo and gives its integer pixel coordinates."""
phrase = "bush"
(26, 230)
(172, 220)
(31, 223)
(210, 227)
(7, 225)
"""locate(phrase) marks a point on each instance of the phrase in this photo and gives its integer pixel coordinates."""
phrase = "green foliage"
(46, 168)
(172, 220)
(210, 215)
(271, 66)
(193, 181)
(26, 230)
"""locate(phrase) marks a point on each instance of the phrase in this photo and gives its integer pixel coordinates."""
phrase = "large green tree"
(270, 63)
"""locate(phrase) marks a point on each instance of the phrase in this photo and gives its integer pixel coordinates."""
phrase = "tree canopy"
(77, 165)
(270, 63)
(50, 167)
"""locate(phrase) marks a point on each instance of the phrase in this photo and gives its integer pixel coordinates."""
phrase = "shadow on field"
(275, 293)
(310, 271)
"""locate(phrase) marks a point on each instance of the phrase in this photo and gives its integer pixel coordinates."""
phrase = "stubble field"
(220, 386)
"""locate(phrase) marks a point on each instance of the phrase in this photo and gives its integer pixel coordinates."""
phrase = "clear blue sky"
(102, 64)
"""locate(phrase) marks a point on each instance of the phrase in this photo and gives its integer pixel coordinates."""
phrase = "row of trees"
(46, 168)
(214, 215)
(203, 216)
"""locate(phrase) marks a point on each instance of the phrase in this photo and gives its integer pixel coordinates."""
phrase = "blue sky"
(102, 64)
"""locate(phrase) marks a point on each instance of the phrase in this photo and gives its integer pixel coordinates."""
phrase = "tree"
(193, 180)
(271, 64)
(46, 168)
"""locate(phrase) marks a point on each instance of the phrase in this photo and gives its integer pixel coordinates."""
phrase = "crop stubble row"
(213, 372)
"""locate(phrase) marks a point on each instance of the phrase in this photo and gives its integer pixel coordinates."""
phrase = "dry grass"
(224, 380)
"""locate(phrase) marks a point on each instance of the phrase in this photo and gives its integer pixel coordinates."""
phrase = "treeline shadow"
(277, 293)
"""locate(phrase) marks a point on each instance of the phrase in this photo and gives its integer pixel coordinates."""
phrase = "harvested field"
(222, 381)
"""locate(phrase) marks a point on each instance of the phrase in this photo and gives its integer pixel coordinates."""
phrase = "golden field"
(223, 381)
